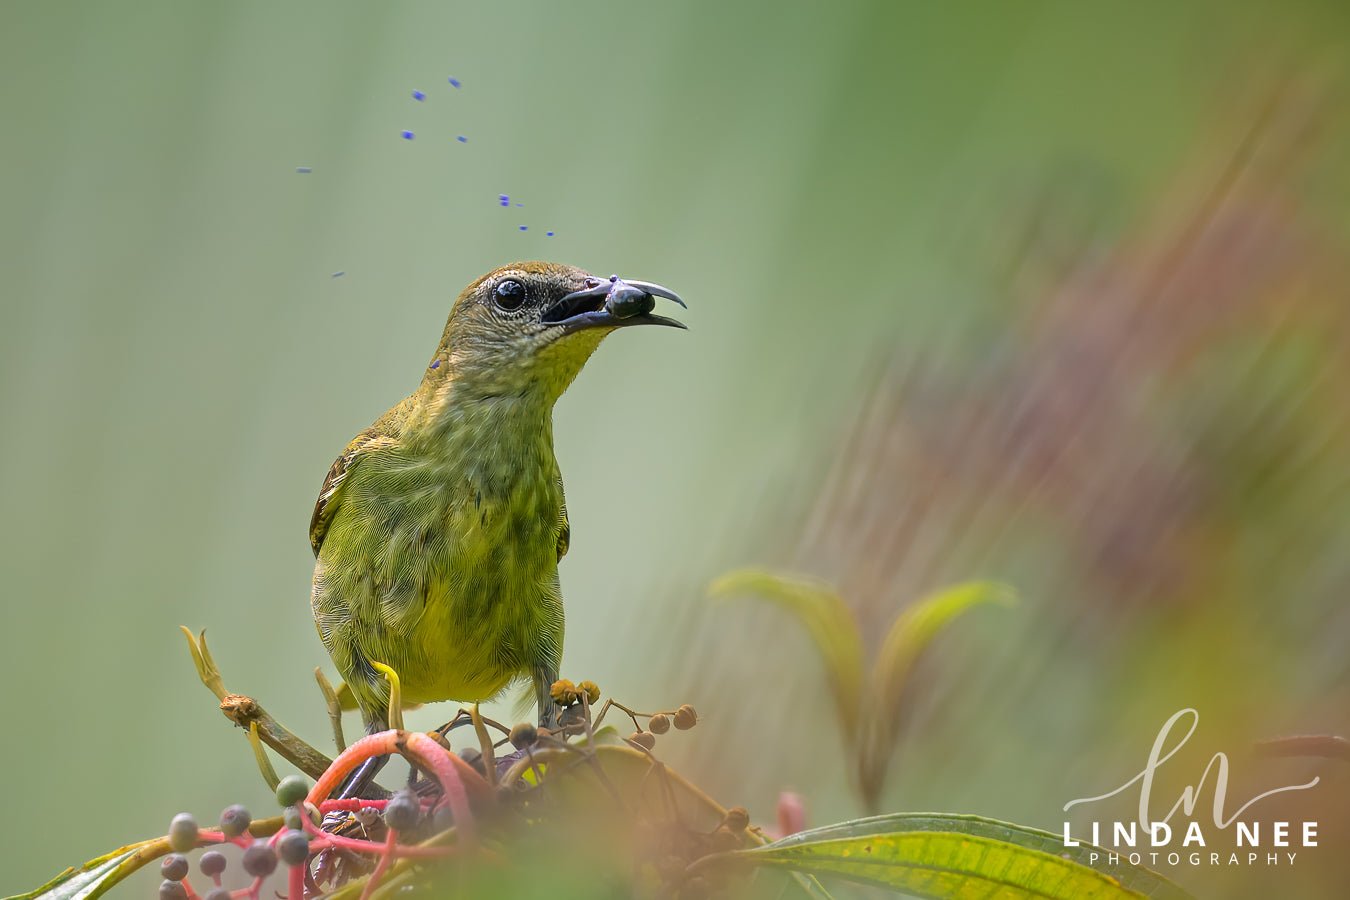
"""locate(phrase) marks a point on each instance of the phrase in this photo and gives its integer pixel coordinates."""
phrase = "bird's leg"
(549, 712)
(363, 777)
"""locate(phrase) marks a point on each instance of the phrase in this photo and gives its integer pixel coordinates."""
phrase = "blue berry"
(550, 234)
(454, 82)
(524, 228)
(418, 95)
(408, 135)
(304, 170)
(462, 139)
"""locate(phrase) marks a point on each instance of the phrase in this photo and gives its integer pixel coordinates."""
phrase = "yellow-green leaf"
(826, 618)
(948, 857)
(911, 632)
(95, 877)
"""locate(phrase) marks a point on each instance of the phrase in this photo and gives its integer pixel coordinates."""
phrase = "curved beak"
(614, 303)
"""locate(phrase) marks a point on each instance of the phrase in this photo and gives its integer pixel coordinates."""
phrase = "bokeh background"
(1048, 292)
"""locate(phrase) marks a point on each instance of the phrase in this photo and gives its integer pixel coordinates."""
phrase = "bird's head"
(532, 325)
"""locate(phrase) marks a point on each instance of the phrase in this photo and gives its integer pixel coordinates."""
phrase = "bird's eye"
(509, 295)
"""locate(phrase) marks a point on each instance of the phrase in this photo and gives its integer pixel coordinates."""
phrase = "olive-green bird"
(438, 531)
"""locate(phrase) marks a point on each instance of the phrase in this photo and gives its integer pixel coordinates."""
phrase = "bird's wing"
(330, 493)
(565, 529)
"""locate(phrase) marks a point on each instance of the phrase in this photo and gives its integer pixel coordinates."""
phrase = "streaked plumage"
(438, 531)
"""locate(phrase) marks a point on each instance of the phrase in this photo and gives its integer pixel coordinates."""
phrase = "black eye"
(509, 295)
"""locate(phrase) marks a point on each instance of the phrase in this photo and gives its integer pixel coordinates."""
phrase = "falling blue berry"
(338, 274)
(408, 135)
(454, 82)
(524, 228)
(462, 139)
(520, 204)
(548, 234)
(303, 170)
(418, 95)
(436, 364)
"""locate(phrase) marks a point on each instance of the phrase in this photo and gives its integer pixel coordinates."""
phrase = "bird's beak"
(614, 303)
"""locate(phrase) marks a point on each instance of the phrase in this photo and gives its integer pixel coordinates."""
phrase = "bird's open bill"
(611, 304)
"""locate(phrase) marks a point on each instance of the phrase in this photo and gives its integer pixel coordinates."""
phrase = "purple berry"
(293, 848)
(212, 863)
(174, 867)
(402, 812)
(259, 860)
(408, 135)
(524, 228)
(454, 82)
(172, 890)
(234, 821)
(550, 234)
(418, 95)
(219, 893)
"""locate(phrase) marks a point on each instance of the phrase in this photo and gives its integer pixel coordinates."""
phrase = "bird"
(438, 531)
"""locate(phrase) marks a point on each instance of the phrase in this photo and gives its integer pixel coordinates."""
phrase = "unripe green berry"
(259, 860)
(402, 812)
(174, 867)
(172, 890)
(292, 790)
(212, 863)
(183, 833)
(292, 818)
(293, 848)
(234, 821)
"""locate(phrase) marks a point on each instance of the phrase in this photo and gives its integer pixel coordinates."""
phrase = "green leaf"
(913, 630)
(826, 618)
(950, 857)
(95, 877)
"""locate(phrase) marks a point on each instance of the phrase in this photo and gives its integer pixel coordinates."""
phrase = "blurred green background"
(1049, 292)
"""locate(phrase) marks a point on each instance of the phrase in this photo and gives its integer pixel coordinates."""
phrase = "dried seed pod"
(524, 735)
(644, 739)
(737, 818)
(591, 690)
(659, 723)
(563, 692)
(685, 717)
